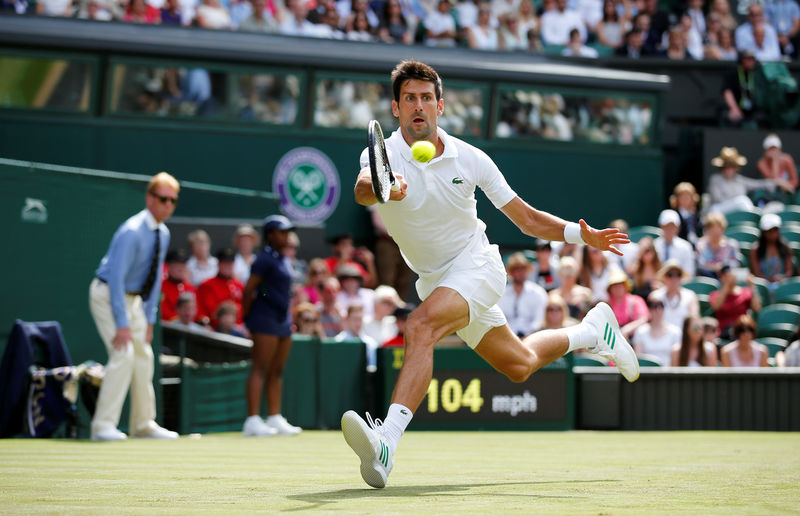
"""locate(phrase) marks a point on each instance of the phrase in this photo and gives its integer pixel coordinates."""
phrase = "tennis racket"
(382, 177)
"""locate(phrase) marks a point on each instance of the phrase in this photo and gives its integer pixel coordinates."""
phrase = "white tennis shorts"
(481, 281)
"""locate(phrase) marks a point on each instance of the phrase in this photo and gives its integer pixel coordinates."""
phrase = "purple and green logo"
(308, 184)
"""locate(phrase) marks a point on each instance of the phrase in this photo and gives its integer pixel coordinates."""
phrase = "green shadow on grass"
(322, 498)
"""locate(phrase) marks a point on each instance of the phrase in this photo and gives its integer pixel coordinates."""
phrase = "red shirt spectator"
(222, 287)
(732, 301)
(175, 283)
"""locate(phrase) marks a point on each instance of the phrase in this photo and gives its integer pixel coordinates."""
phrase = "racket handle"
(395, 187)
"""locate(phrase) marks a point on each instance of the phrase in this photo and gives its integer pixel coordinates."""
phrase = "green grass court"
(436, 472)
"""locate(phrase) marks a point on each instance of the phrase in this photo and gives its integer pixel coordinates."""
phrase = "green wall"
(572, 181)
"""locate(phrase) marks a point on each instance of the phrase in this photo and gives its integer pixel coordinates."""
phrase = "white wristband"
(572, 233)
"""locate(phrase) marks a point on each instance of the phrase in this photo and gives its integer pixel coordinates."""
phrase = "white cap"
(769, 221)
(669, 217)
(387, 292)
(772, 140)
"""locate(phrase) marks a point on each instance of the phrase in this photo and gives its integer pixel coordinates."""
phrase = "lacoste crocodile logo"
(457, 181)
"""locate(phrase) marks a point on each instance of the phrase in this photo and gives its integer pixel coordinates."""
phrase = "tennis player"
(433, 218)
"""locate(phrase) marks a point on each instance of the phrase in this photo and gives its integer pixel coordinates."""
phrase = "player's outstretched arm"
(364, 193)
(537, 223)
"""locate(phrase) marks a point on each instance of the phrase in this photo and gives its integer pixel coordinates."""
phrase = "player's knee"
(518, 373)
(419, 331)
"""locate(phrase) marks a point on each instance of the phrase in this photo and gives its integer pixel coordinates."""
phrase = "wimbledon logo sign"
(308, 184)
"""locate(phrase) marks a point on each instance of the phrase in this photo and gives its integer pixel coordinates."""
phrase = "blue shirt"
(781, 14)
(275, 290)
(127, 263)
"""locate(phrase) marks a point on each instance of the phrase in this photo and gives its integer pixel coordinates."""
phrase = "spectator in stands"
(297, 266)
(556, 313)
(483, 35)
(501, 8)
(353, 329)
(226, 315)
(139, 12)
(558, 23)
(545, 270)
(644, 270)
(186, 309)
(728, 189)
(526, 17)
(612, 27)
(745, 35)
(633, 46)
(739, 92)
(790, 357)
(670, 246)
(467, 13)
(630, 250)
(512, 36)
(382, 325)
(171, 13)
(123, 299)
(651, 38)
(102, 10)
(306, 321)
(679, 302)
(591, 12)
(344, 253)
(265, 305)
(714, 249)
(440, 26)
(776, 164)
(676, 48)
(245, 240)
(316, 275)
(727, 48)
(352, 291)
(657, 337)
(692, 37)
(723, 9)
(201, 264)
(349, 8)
(732, 301)
(594, 272)
(259, 20)
(693, 350)
(630, 309)
(394, 27)
(54, 8)
(576, 48)
(744, 351)
(400, 317)
(784, 16)
(577, 297)
(523, 301)
(695, 12)
(358, 29)
(296, 23)
(222, 287)
(331, 312)
(684, 201)
(711, 330)
(213, 15)
(659, 20)
(330, 25)
(175, 284)
(771, 256)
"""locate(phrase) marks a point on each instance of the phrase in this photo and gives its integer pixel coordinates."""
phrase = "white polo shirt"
(438, 220)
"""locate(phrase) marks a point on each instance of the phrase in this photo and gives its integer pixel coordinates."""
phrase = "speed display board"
(466, 393)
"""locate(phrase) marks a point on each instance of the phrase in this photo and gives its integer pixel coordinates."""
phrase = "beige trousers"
(131, 367)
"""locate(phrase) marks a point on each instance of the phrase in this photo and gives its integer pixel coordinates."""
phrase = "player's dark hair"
(408, 70)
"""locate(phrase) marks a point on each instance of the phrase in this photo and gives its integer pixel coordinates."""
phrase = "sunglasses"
(656, 305)
(673, 274)
(313, 273)
(553, 308)
(163, 199)
(308, 319)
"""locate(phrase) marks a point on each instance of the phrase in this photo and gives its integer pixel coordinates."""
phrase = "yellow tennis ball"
(423, 151)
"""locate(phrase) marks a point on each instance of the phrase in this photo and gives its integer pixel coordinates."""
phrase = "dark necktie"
(151, 274)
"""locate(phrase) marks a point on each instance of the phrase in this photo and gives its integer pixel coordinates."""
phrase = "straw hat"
(669, 265)
(618, 276)
(729, 156)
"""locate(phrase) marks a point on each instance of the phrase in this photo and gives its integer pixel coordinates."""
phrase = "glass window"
(574, 117)
(353, 103)
(41, 83)
(204, 93)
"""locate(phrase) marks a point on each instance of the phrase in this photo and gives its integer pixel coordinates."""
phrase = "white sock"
(397, 419)
(581, 336)
(273, 417)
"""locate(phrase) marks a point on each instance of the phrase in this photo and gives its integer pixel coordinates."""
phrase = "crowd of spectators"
(690, 29)
(352, 295)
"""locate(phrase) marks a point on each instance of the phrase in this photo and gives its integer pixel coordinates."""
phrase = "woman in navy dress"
(265, 304)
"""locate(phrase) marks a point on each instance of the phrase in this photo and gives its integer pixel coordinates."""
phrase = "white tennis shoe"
(369, 443)
(281, 426)
(254, 426)
(610, 342)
